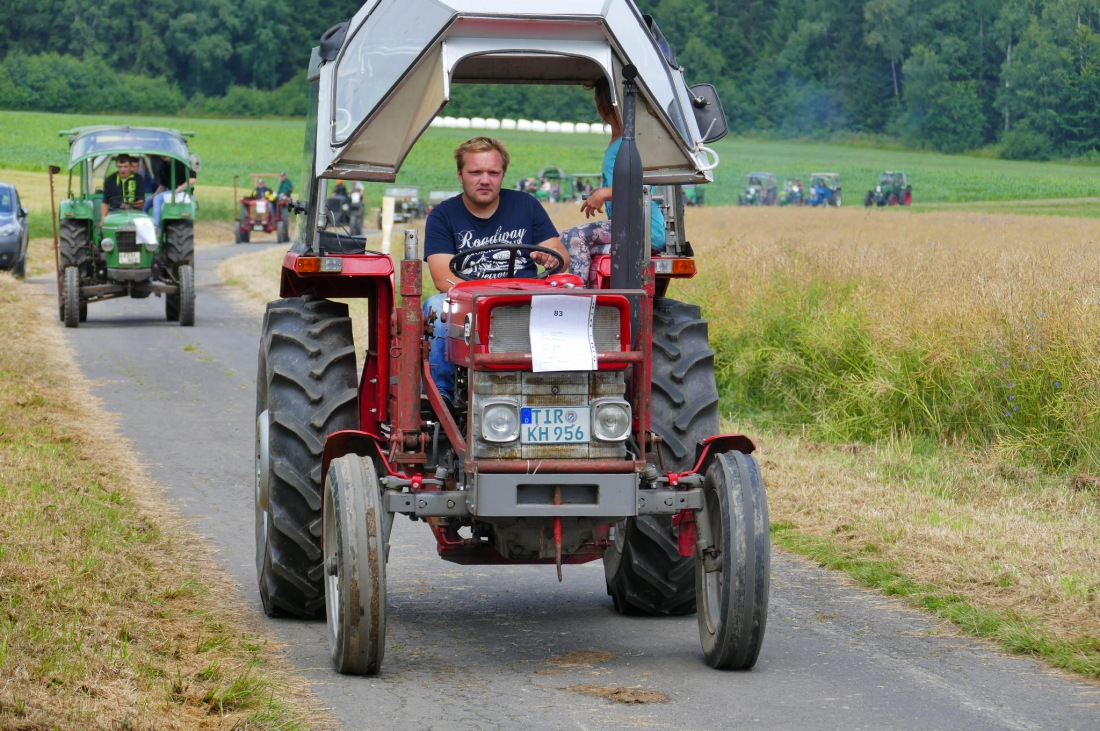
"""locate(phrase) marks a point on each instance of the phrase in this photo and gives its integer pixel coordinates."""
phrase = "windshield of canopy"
(132, 140)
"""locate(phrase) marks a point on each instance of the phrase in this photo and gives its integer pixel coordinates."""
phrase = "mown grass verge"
(111, 615)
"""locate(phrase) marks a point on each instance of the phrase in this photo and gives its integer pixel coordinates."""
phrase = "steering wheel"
(459, 259)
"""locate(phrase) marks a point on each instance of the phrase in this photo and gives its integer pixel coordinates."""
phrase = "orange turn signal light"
(307, 264)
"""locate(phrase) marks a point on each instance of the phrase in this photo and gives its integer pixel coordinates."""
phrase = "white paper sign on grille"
(561, 333)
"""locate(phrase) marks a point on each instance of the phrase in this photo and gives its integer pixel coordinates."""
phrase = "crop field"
(229, 147)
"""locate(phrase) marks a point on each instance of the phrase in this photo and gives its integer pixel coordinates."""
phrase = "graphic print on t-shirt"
(491, 264)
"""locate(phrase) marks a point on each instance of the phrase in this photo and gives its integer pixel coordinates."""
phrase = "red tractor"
(259, 211)
(538, 460)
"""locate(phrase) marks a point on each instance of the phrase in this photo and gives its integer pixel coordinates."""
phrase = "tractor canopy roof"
(761, 178)
(890, 176)
(92, 142)
(385, 74)
(827, 178)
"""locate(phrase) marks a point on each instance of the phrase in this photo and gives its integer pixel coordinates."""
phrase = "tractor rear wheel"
(73, 244)
(355, 565)
(187, 295)
(644, 569)
(179, 240)
(732, 578)
(70, 297)
(892, 199)
(306, 389)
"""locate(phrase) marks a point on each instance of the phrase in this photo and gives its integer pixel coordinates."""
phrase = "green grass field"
(228, 147)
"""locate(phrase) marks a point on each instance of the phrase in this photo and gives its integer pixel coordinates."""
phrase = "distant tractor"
(760, 190)
(694, 195)
(825, 190)
(125, 253)
(407, 203)
(794, 192)
(893, 189)
(269, 214)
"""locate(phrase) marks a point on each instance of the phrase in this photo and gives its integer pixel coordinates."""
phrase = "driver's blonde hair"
(481, 144)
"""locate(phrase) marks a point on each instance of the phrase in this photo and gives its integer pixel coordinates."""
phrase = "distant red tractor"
(612, 454)
(268, 213)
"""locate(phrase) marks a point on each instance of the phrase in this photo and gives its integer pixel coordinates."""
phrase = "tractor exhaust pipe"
(628, 222)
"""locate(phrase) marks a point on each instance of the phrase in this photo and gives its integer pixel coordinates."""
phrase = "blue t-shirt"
(656, 217)
(519, 219)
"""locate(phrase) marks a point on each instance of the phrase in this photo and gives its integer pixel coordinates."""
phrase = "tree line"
(939, 74)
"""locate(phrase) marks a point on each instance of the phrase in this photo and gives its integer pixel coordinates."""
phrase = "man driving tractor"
(122, 189)
(483, 215)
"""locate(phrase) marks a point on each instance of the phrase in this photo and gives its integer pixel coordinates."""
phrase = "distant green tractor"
(893, 189)
(125, 253)
(760, 190)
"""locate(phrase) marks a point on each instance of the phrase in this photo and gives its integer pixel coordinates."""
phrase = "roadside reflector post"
(387, 222)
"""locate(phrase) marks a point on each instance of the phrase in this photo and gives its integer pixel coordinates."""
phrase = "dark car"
(14, 231)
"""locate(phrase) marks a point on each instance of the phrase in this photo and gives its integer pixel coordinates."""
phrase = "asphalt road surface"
(509, 647)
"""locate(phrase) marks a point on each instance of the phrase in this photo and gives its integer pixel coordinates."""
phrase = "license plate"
(129, 257)
(555, 425)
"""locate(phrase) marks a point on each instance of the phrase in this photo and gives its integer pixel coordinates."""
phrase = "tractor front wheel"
(70, 297)
(282, 231)
(179, 240)
(731, 577)
(187, 295)
(306, 389)
(355, 565)
(73, 243)
(644, 569)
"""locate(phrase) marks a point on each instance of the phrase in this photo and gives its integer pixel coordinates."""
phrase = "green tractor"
(760, 190)
(125, 252)
(893, 189)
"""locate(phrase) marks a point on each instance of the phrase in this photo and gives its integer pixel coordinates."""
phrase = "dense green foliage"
(940, 74)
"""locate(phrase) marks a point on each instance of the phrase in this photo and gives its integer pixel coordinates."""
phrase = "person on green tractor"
(122, 189)
(174, 182)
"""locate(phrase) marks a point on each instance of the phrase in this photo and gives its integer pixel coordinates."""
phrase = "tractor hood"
(385, 74)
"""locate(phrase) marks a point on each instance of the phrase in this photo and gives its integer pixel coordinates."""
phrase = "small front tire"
(186, 295)
(70, 297)
(732, 578)
(355, 565)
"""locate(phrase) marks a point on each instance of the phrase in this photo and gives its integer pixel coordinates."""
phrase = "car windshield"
(6, 204)
(114, 140)
(402, 192)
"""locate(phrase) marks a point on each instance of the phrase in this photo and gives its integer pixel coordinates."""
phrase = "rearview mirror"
(709, 114)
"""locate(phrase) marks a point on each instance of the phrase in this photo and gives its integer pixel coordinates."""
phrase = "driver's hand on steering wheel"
(541, 258)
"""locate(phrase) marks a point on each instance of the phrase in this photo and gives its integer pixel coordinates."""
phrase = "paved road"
(498, 648)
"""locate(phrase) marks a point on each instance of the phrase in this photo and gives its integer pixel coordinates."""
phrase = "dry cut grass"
(112, 616)
(966, 520)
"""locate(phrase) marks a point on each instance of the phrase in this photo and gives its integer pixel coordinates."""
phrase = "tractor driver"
(262, 193)
(483, 215)
(122, 189)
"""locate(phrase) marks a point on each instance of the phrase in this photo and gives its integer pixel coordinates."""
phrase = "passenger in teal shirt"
(595, 238)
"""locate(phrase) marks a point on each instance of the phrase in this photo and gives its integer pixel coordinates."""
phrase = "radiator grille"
(510, 329)
(127, 241)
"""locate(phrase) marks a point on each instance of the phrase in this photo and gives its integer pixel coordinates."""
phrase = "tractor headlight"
(107, 244)
(152, 245)
(500, 421)
(610, 420)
